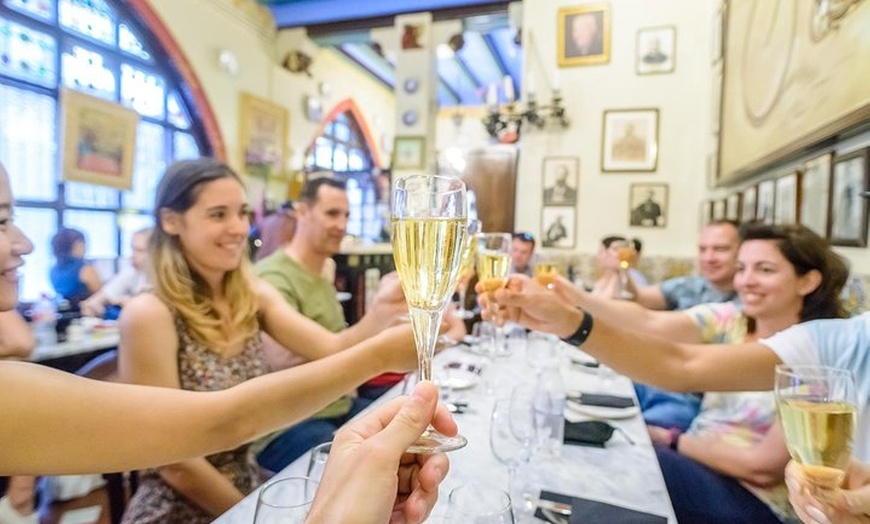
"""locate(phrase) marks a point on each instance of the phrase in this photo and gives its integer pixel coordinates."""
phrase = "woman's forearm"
(202, 484)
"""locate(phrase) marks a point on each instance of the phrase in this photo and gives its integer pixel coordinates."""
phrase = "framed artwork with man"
(583, 35)
(656, 50)
(560, 175)
(558, 227)
(648, 205)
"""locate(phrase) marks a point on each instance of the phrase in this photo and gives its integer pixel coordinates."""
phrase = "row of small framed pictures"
(824, 195)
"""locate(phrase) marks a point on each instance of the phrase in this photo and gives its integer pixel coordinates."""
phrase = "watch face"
(411, 85)
(409, 117)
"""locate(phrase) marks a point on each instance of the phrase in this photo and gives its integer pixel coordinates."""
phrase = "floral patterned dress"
(200, 369)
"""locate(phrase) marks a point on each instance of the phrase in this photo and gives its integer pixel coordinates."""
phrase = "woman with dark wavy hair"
(72, 277)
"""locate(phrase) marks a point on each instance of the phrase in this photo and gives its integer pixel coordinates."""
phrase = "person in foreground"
(142, 426)
(849, 504)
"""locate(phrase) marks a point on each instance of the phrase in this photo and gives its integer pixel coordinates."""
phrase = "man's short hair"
(525, 237)
(312, 186)
(725, 222)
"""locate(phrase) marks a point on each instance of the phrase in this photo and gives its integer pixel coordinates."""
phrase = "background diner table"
(73, 354)
(621, 473)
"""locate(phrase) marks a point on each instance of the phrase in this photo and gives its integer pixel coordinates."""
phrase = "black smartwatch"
(582, 333)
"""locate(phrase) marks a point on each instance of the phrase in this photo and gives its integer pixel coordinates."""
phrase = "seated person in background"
(199, 329)
(276, 230)
(607, 263)
(522, 252)
(636, 276)
(375, 477)
(729, 466)
(128, 283)
(73, 278)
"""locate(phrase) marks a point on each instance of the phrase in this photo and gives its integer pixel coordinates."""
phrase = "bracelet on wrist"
(582, 333)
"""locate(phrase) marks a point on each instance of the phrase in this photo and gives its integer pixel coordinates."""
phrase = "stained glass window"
(106, 52)
(27, 54)
(42, 9)
(92, 18)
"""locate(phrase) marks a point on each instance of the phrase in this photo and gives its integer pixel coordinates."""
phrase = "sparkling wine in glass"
(466, 269)
(429, 226)
(493, 268)
(818, 410)
(546, 269)
(625, 254)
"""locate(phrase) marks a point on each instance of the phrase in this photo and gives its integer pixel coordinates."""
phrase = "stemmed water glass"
(493, 268)
(285, 501)
(429, 222)
(512, 433)
(466, 270)
(818, 410)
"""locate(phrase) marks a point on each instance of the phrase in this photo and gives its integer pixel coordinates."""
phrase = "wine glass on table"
(493, 268)
(818, 409)
(625, 254)
(466, 269)
(429, 225)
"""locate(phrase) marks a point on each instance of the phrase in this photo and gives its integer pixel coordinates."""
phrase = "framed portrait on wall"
(99, 140)
(848, 212)
(583, 35)
(262, 136)
(734, 206)
(656, 50)
(560, 179)
(747, 208)
(648, 205)
(409, 152)
(766, 201)
(630, 140)
(558, 227)
(815, 184)
(785, 209)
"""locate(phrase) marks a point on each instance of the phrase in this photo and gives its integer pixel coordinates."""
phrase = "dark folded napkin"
(585, 511)
(594, 433)
(605, 401)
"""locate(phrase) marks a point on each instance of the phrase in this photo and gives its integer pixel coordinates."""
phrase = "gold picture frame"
(583, 35)
(99, 140)
(262, 137)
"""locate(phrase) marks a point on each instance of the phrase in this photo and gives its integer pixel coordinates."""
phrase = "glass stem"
(426, 325)
(463, 290)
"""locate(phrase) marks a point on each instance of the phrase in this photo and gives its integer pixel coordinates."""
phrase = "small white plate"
(603, 411)
(458, 379)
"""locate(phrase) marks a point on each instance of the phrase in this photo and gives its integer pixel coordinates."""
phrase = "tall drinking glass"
(285, 501)
(818, 409)
(466, 269)
(429, 219)
(493, 268)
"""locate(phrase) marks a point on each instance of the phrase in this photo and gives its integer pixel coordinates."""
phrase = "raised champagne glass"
(493, 268)
(429, 226)
(818, 409)
(625, 254)
(466, 269)
(547, 268)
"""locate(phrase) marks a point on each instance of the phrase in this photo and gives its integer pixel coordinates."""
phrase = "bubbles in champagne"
(819, 434)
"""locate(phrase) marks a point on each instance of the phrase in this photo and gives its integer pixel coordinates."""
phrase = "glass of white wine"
(818, 409)
(547, 268)
(625, 254)
(493, 268)
(429, 226)
(466, 269)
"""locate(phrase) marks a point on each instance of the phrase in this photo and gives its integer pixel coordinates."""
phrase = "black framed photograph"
(848, 211)
(734, 206)
(560, 177)
(747, 208)
(558, 227)
(785, 209)
(816, 181)
(648, 205)
(656, 50)
(583, 34)
(630, 140)
(766, 201)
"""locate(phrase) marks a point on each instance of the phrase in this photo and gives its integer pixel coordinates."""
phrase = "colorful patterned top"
(741, 419)
(200, 369)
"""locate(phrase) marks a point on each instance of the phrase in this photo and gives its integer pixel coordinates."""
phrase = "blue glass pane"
(185, 146)
(356, 160)
(100, 229)
(27, 143)
(453, 74)
(176, 112)
(145, 92)
(323, 153)
(148, 166)
(130, 43)
(90, 195)
(341, 132)
(42, 9)
(478, 57)
(130, 223)
(354, 199)
(339, 160)
(27, 54)
(92, 18)
(88, 71)
(39, 225)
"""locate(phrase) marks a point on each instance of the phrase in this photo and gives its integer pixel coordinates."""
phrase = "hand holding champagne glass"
(429, 221)
(625, 254)
(818, 409)
(493, 268)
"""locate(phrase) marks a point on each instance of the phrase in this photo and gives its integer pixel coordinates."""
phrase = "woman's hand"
(369, 479)
(849, 505)
(528, 303)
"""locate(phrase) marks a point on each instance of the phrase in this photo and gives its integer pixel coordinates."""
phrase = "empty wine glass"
(429, 222)
(479, 504)
(818, 410)
(285, 501)
(512, 433)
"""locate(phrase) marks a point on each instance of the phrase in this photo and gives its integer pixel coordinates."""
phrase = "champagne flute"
(429, 221)
(466, 270)
(546, 270)
(493, 268)
(818, 410)
(512, 435)
(285, 501)
(625, 254)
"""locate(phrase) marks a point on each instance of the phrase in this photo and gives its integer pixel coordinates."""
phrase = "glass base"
(433, 442)
(464, 314)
